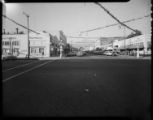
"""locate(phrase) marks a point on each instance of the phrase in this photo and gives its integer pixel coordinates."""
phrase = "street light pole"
(11, 46)
(124, 39)
(28, 33)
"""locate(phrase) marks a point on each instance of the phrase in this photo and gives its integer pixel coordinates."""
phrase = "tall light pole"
(11, 51)
(28, 33)
(71, 45)
(124, 38)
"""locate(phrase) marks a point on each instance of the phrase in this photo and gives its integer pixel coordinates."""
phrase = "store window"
(7, 43)
(33, 50)
(41, 50)
(15, 43)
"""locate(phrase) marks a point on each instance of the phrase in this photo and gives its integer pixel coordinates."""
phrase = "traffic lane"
(133, 77)
(9, 73)
(63, 92)
(13, 63)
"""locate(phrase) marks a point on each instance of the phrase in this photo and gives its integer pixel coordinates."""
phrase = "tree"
(67, 49)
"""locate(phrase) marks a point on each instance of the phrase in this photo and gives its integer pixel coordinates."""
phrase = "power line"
(83, 42)
(98, 28)
(115, 24)
(83, 37)
(114, 17)
(19, 24)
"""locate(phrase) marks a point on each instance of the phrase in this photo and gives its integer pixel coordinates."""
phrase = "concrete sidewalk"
(96, 57)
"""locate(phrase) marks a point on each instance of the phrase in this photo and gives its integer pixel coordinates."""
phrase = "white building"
(17, 44)
(141, 42)
(39, 45)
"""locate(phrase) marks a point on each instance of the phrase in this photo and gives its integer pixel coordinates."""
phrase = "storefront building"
(39, 45)
(17, 45)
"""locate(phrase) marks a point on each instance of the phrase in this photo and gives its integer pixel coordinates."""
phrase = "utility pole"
(71, 45)
(124, 39)
(11, 46)
(28, 33)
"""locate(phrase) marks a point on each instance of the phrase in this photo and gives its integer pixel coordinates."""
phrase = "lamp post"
(124, 38)
(28, 33)
(11, 51)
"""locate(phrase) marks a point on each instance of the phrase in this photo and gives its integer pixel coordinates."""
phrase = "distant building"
(104, 42)
(141, 42)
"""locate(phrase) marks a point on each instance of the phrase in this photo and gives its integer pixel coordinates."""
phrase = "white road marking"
(25, 71)
(18, 66)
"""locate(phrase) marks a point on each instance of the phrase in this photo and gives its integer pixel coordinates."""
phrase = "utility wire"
(19, 24)
(83, 37)
(134, 19)
(115, 24)
(115, 17)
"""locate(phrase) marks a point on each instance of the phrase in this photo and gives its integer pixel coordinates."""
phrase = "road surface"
(78, 87)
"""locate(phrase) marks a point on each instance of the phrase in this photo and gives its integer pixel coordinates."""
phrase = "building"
(104, 42)
(39, 45)
(141, 42)
(17, 44)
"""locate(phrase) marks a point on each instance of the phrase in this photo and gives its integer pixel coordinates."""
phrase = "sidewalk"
(96, 57)
(49, 58)
(134, 57)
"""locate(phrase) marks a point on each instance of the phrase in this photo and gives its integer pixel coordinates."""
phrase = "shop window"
(41, 50)
(33, 50)
(7, 43)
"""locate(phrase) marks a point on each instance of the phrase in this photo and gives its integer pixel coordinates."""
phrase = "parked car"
(98, 52)
(71, 54)
(9, 57)
(81, 53)
(108, 53)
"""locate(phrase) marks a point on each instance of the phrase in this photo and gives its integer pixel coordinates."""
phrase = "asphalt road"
(79, 87)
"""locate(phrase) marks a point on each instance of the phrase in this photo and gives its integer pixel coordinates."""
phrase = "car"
(71, 54)
(81, 53)
(98, 52)
(9, 57)
(116, 53)
(108, 53)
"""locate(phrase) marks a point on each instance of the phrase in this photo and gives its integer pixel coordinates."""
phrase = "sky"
(73, 18)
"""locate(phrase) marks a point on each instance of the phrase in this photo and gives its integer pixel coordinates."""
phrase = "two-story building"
(17, 44)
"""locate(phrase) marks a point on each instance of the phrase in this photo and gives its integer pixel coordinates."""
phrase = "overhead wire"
(19, 24)
(108, 12)
(134, 19)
